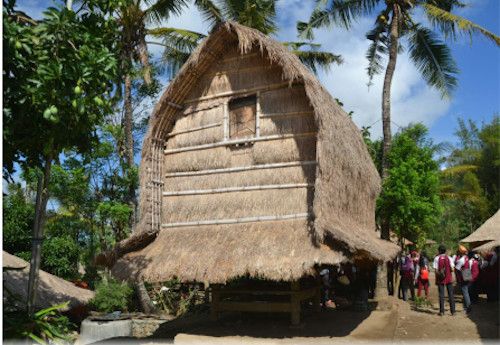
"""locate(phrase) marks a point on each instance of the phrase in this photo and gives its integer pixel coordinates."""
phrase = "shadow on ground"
(328, 323)
(487, 318)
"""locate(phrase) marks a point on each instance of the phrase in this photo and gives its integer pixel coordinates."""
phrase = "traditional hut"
(487, 236)
(250, 167)
(51, 290)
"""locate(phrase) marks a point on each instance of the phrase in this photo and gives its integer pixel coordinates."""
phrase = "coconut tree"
(257, 14)
(134, 16)
(396, 23)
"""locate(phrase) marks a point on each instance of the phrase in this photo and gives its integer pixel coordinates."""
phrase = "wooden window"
(242, 114)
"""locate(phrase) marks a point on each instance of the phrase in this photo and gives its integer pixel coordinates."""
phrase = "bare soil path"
(402, 324)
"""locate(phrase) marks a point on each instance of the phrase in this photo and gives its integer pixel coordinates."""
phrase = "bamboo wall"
(206, 177)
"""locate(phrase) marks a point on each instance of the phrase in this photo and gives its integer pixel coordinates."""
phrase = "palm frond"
(378, 47)
(175, 58)
(459, 170)
(301, 44)
(178, 45)
(433, 59)
(159, 10)
(319, 19)
(256, 14)
(318, 59)
(451, 23)
(181, 39)
(340, 12)
(210, 11)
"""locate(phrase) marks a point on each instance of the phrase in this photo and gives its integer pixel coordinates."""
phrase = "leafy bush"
(111, 295)
(45, 326)
(18, 216)
(60, 256)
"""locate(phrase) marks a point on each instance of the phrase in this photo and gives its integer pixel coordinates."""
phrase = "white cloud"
(412, 99)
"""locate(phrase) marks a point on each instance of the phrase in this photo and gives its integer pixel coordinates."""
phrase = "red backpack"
(443, 262)
(424, 273)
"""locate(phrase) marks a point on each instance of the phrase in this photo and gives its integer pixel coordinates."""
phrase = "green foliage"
(54, 83)
(429, 53)
(111, 295)
(18, 215)
(410, 195)
(259, 15)
(45, 326)
(61, 256)
(469, 184)
(421, 303)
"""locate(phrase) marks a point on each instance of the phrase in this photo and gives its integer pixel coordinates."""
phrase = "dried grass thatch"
(489, 231)
(292, 174)
(341, 205)
(51, 290)
(275, 250)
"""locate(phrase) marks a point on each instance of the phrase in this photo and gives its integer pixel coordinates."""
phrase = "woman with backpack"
(422, 275)
(463, 273)
(407, 273)
(443, 266)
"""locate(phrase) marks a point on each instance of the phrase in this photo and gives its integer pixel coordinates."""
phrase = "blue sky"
(477, 96)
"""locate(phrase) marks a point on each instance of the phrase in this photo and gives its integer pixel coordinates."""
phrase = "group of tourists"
(473, 274)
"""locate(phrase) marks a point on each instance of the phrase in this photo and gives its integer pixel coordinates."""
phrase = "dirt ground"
(402, 324)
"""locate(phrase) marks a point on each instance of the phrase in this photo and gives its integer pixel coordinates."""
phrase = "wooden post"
(295, 303)
(214, 309)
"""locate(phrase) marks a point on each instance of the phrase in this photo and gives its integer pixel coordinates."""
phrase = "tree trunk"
(382, 272)
(144, 299)
(128, 124)
(42, 197)
(386, 93)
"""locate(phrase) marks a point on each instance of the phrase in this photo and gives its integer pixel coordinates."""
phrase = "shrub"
(46, 325)
(111, 295)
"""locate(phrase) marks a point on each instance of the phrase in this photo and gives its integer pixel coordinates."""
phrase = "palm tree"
(396, 20)
(257, 14)
(134, 16)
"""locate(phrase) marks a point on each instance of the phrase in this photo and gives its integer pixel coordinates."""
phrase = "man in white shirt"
(444, 263)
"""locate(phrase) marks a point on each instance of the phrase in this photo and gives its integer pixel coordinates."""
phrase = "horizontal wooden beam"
(237, 220)
(271, 307)
(174, 105)
(289, 114)
(238, 169)
(238, 189)
(239, 141)
(194, 129)
(262, 88)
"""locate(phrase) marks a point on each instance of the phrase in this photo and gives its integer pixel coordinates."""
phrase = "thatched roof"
(488, 246)
(345, 189)
(489, 231)
(52, 290)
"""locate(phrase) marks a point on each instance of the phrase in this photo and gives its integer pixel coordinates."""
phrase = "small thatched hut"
(51, 290)
(487, 235)
(250, 167)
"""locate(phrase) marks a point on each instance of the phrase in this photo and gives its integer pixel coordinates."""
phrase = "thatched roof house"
(486, 233)
(249, 166)
(51, 290)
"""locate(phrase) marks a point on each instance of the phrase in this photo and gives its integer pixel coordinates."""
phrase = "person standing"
(422, 275)
(491, 274)
(407, 274)
(463, 274)
(473, 287)
(443, 265)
